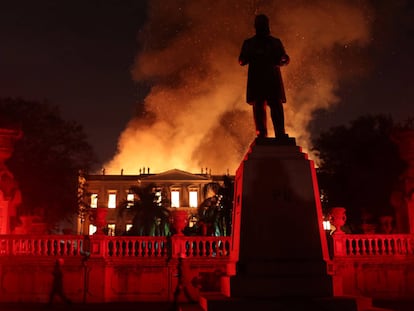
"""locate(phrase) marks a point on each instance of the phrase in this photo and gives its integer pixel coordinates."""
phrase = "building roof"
(170, 175)
(176, 174)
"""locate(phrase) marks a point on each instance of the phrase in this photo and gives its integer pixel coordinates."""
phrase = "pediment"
(176, 175)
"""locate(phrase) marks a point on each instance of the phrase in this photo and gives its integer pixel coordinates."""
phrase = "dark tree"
(47, 159)
(149, 212)
(215, 212)
(359, 165)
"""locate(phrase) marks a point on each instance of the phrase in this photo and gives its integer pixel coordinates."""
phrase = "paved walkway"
(395, 305)
(111, 306)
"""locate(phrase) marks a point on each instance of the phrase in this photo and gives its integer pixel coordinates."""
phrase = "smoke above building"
(195, 112)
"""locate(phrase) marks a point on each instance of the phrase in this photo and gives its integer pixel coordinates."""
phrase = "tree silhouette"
(215, 212)
(47, 159)
(149, 212)
(359, 165)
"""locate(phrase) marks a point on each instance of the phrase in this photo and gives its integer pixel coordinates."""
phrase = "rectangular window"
(128, 227)
(94, 200)
(92, 229)
(193, 198)
(130, 199)
(112, 200)
(111, 229)
(175, 198)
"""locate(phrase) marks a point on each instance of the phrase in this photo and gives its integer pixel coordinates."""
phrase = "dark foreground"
(396, 305)
(110, 306)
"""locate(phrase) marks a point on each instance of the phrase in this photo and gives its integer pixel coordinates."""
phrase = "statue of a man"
(265, 54)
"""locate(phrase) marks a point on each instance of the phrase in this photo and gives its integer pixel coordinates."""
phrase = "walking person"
(57, 283)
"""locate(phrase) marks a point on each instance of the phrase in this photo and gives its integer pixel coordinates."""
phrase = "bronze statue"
(265, 54)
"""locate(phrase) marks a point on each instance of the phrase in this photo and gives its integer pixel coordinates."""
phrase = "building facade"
(183, 190)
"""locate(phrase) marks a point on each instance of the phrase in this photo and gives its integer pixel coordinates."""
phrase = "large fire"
(195, 113)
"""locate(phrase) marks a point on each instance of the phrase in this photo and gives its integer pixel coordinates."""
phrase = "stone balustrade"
(116, 247)
(373, 245)
(43, 245)
(370, 265)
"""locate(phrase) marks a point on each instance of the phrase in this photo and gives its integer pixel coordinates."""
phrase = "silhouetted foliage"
(149, 211)
(47, 159)
(215, 212)
(360, 165)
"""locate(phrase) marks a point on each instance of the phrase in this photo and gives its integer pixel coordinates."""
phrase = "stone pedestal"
(100, 220)
(179, 219)
(278, 239)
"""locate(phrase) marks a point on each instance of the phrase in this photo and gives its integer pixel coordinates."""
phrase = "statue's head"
(261, 23)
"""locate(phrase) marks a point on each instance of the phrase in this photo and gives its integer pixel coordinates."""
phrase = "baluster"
(364, 246)
(14, 247)
(383, 247)
(398, 246)
(376, 248)
(69, 247)
(129, 248)
(155, 247)
(369, 248)
(136, 248)
(393, 246)
(117, 248)
(403, 245)
(35, 247)
(208, 251)
(123, 246)
(219, 248)
(143, 248)
(360, 246)
(404, 248)
(201, 248)
(386, 246)
(408, 245)
(352, 243)
(42, 247)
(344, 243)
(162, 248)
(194, 247)
(149, 248)
(356, 246)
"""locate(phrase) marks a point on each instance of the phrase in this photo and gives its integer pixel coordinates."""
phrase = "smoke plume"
(195, 113)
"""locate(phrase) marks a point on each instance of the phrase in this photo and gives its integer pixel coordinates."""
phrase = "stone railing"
(359, 245)
(201, 247)
(43, 245)
(115, 247)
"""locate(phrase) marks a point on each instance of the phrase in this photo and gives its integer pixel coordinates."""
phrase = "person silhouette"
(265, 54)
(57, 283)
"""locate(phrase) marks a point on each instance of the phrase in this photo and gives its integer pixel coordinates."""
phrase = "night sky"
(81, 55)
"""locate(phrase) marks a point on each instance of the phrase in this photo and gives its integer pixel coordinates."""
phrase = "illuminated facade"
(184, 191)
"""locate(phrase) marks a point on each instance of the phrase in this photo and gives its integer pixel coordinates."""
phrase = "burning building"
(183, 191)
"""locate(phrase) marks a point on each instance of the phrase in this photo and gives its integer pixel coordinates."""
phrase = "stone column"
(10, 196)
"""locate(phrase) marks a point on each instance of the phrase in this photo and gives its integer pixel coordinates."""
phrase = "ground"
(395, 305)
